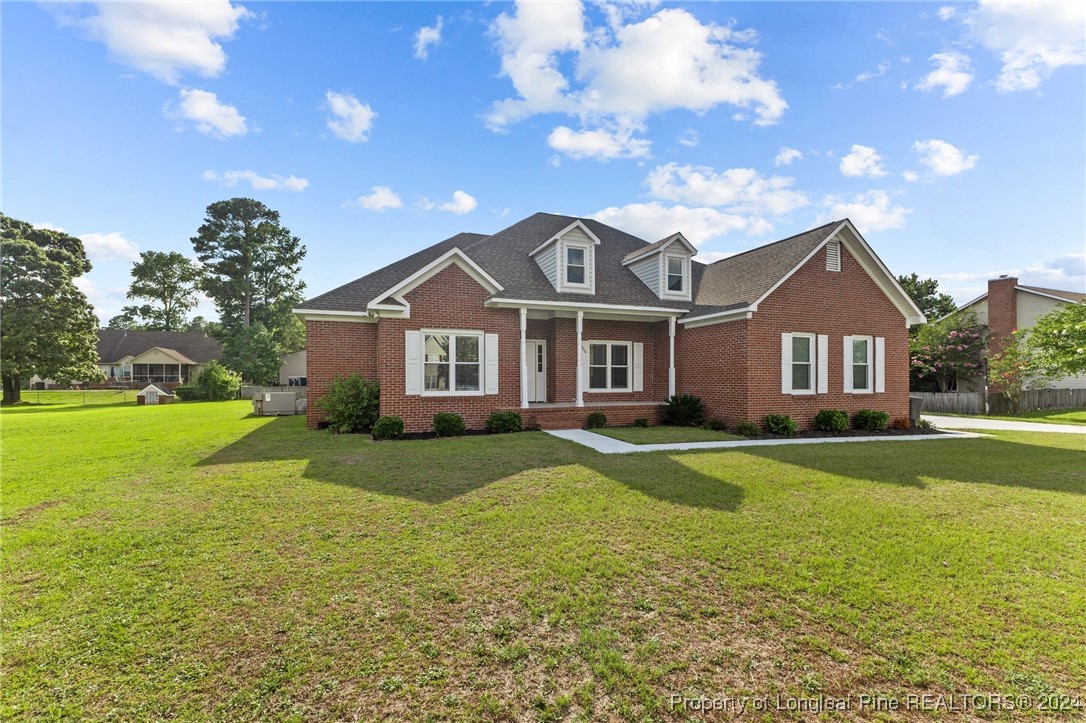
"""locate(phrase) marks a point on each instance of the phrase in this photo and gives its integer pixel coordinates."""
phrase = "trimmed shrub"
(871, 420)
(900, 423)
(218, 383)
(448, 424)
(641, 422)
(747, 429)
(780, 424)
(924, 424)
(715, 425)
(504, 422)
(596, 420)
(388, 427)
(831, 420)
(352, 404)
(189, 393)
(684, 410)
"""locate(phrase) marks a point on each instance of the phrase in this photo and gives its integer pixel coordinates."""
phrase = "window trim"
(567, 285)
(812, 338)
(665, 292)
(452, 392)
(870, 388)
(589, 365)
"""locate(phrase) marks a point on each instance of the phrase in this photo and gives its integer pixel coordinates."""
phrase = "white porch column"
(523, 357)
(580, 359)
(671, 357)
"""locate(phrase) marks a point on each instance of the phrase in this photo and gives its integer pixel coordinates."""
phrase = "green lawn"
(665, 434)
(53, 397)
(1051, 416)
(189, 561)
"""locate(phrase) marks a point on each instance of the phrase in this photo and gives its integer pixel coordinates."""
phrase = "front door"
(537, 370)
(150, 397)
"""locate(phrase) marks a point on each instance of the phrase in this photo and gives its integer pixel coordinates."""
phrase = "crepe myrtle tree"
(942, 353)
(1057, 342)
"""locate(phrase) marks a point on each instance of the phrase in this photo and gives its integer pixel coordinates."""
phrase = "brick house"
(556, 317)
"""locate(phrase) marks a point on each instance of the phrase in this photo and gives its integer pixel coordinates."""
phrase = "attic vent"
(833, 256)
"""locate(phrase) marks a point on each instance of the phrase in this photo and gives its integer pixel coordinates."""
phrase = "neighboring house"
(292, 369)
(161, 357)
(1009, 306)
(556, 317)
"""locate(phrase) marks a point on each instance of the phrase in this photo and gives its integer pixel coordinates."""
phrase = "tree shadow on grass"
(436, 471)
(987, 461)
(47, 407)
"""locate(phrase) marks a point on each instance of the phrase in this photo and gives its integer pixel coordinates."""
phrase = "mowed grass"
(189, 561)
(665, 434)
(64, 397)
(1051, 416)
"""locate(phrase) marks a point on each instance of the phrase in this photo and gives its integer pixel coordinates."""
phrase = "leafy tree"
(125, 320)
(46, 325)
(217, 383)
(1012, 369)
(254, 353)
(250, 268)
(167, 281)
(1057, 342)
(925, 293)
(945, 351)
(200, 324)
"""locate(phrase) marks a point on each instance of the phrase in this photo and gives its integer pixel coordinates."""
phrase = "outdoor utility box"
(277, 403)
(916, 406)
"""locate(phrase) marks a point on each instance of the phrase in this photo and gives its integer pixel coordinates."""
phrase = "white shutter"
(786, 363)
(823, 359)
(490, 365)
(413, 363)
(638, 366)
(846, 344)
(880, 364)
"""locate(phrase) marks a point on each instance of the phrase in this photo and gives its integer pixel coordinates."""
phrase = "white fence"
(973, 402)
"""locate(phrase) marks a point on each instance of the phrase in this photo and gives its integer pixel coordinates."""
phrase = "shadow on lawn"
(435, 471)
(974, 461)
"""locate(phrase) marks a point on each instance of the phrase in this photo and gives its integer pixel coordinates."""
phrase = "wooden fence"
(973, 402)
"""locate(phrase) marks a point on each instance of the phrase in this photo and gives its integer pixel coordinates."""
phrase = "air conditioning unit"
(278, 403)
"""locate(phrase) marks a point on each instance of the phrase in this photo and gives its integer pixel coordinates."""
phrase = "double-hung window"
(609, 366)
(676, 274)
(452, 362)
(861, 364)
(803, 363)
(575, 265)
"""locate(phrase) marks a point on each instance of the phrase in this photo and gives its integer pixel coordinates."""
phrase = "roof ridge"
(780, 241)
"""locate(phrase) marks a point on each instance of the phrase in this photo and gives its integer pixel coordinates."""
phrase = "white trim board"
(450, 257)
(576, 224)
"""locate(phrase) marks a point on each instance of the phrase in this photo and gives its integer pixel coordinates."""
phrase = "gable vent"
(833, 256)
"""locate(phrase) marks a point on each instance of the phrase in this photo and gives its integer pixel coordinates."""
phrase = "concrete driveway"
(1012, 426)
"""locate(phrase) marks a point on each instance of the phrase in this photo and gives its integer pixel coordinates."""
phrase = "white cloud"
(652, 221)
(427, 37)
(162, 39)
(871, 211)
(350, 120)
(869, 74)
(786, 155)
(210, 116)
(1032, 39)
(862, 161)
(257, 182)
(946, 12)
(599, 144)
(689, 138)
(460, 204)
(953, 73)
(49, 227)
(109, 247)
(616, 77)
(943, 158)
(741, 190)
(1066, 272)
(911, 176)
(381, 198)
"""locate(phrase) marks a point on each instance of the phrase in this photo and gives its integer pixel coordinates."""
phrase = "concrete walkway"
(608, 445)
(1006, 424)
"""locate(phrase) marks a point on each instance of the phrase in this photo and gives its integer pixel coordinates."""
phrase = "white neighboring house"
(292, 366)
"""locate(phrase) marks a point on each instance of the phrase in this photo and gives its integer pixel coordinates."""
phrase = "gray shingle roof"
(637, 253)
(1073, 296)
(116, 344)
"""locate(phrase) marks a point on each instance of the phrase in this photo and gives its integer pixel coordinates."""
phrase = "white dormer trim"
(589, 285)
(427, 272)
(578, 224)
(664, 292)
(670, 240)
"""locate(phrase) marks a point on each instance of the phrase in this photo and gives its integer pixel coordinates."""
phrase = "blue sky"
(951, 134)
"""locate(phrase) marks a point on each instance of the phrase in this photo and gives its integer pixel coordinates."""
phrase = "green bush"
(747, 429)
(715, 425)
(388, 427)
(900, 423)
(641, 422)
(448, 424)
(504, 422)
(684, 410)
(352, 404)
(924, 424)
(871, 420)
(218, 383)
(831, 420)
(781, 424)
(596, 420)
(189, 393)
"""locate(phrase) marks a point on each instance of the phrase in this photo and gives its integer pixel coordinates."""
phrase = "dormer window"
(575, 265)
(676, 274)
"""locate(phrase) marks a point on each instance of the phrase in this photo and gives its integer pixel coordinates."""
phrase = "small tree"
(218, 383)
(946, 351)
(166, 282)
(1057, 342)
(253, 353)
(1012, 369)
(352, 403)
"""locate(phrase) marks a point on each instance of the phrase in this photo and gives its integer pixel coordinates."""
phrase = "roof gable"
(453, 257)
(118, 345)
(658, 247)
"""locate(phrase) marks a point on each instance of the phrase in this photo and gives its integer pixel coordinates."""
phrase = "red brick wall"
(450, 300)
(653, 335)
(336, 348)
(1002, 312)
(711, 363)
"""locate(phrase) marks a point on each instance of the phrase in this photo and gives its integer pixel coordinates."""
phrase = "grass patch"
(665, 434)
(59, 397)
(1051, 416)
(191, 561)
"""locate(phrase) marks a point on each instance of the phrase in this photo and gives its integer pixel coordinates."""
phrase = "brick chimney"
(1002, 311)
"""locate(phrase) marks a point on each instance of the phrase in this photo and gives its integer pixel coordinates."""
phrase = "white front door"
(537, 370)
